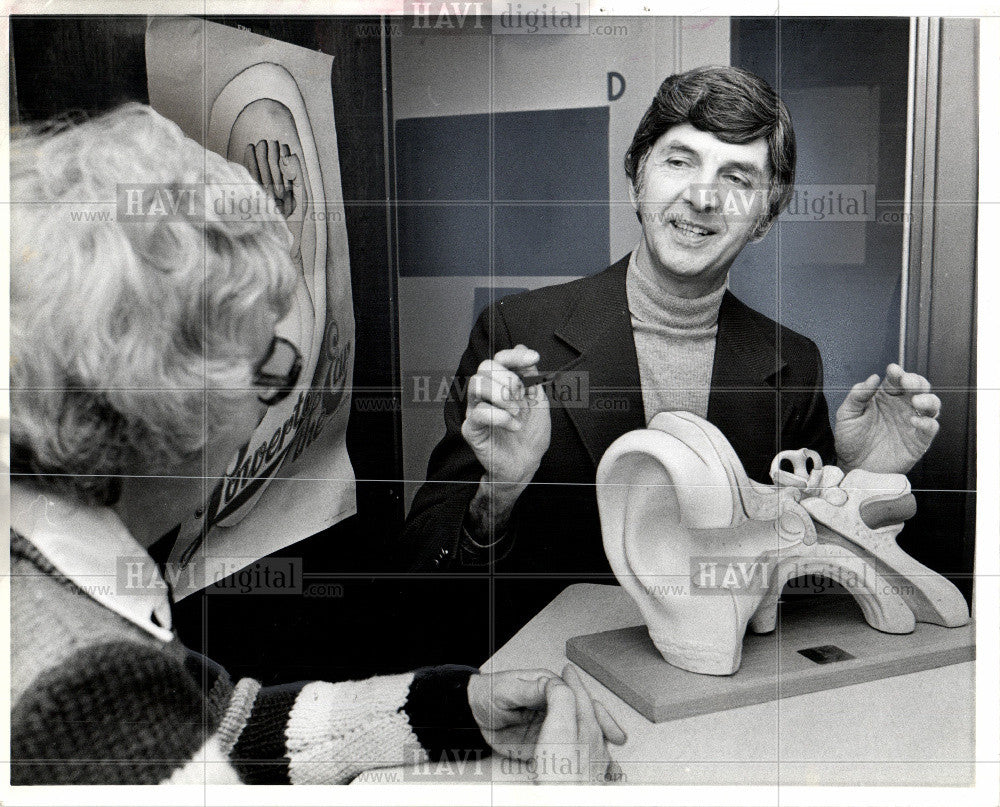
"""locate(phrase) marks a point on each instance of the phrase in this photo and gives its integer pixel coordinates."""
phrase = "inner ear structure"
(705, 551)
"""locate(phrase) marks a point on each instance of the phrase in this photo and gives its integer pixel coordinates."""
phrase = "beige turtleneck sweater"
(674, 342)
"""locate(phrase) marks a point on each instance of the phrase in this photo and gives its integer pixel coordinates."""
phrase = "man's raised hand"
(507, 426)
(888, 426)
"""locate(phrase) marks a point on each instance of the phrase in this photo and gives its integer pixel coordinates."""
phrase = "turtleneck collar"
(650, 304)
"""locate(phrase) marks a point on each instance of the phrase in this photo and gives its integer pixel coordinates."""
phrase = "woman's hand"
(550, 723)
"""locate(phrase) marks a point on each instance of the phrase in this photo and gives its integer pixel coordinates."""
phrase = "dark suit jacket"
(766, 396)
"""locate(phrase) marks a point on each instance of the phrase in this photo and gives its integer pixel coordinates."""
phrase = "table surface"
(915, 729)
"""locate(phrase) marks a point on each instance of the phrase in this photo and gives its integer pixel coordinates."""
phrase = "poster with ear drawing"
(268, 105)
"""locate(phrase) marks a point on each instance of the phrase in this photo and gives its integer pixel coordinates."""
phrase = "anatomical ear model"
(705, 551)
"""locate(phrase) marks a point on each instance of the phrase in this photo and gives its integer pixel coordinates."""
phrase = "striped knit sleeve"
(328, 733)
(129, 713)
(116, 713)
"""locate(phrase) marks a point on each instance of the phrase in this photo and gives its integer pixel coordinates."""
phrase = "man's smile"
(688, 231)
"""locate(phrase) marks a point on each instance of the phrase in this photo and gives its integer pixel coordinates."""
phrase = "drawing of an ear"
(260, 119)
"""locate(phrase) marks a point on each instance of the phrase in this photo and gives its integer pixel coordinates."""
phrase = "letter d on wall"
(612, 77)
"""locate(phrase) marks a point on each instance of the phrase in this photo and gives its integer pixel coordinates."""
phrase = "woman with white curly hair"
(143, 355)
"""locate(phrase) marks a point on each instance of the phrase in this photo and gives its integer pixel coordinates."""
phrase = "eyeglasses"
(278, 372)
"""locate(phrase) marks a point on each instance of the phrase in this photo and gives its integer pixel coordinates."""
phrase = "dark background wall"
(72, 65)
(845, 84)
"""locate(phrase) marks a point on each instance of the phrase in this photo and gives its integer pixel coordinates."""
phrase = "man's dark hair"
(735, 106)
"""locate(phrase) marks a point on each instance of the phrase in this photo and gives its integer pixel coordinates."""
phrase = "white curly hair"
(130, 335)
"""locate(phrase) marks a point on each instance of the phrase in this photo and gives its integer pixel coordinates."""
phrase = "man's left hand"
(886, 426)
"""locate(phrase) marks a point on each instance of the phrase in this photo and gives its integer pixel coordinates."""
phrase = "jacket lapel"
(743, 402)
(599, 331)
(746, 352)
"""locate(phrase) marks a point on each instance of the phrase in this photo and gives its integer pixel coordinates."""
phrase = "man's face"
(700, 200)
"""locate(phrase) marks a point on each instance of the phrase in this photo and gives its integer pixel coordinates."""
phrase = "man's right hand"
(507, 426)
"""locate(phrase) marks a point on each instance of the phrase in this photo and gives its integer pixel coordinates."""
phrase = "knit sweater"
(674, 343)
(98, 700)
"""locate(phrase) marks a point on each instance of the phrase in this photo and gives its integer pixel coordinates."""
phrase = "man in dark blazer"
(510, 488)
